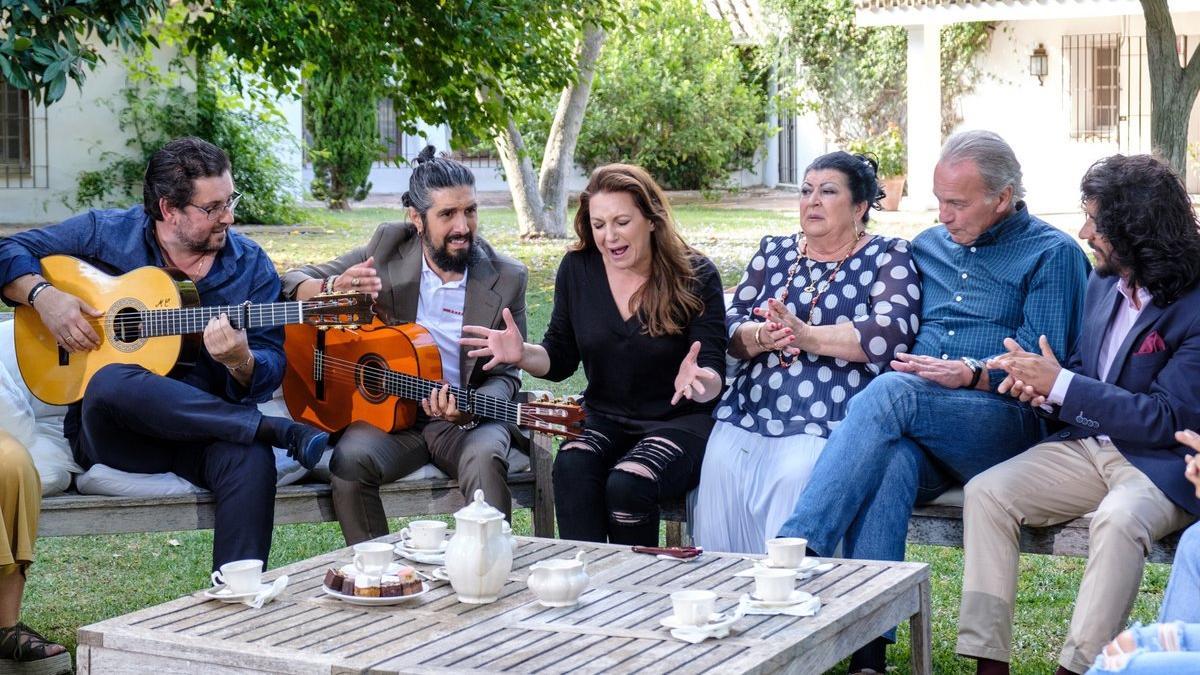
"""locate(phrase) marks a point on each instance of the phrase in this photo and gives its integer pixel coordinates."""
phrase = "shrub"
(674, 96)
(339, 112)
(887, 148)
(154, 112)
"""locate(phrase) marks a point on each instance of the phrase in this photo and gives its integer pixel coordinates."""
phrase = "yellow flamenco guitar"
(152, 318)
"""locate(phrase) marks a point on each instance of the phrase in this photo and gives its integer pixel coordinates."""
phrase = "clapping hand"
(1030, 376)
(363, 278)
(783, 329)
(694, 382)
(502, 346)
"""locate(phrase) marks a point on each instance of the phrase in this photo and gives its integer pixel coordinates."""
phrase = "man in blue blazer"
(1128, 386)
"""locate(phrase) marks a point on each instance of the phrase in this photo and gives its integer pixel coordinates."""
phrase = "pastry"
(366, 587)
(334, 579)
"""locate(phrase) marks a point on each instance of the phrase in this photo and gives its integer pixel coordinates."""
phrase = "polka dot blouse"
(877, 289)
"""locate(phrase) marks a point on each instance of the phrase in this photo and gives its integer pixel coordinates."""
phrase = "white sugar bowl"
(558, 582)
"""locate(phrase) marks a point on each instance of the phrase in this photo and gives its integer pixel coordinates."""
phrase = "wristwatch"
(977, 369)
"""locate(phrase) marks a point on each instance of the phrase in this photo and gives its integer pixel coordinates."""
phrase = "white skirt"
(749, 486)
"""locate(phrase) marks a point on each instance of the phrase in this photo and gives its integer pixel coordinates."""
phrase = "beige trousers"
(1052, 483)
(20, 504)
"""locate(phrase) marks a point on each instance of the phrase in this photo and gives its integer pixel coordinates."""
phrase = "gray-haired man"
(437, 272)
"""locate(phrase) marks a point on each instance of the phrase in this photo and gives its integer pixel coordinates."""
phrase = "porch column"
(771, 163)
(924, 133)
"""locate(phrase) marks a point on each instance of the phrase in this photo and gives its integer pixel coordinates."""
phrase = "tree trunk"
(559, 157)
(518, 169)
(1173, 88)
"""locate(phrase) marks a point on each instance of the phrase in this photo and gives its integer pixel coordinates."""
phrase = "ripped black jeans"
(609, 483)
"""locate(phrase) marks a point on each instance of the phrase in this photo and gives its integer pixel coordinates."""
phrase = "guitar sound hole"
(371, 378)
(127, 325)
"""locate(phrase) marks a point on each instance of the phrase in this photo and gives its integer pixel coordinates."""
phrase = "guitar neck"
(156, 322)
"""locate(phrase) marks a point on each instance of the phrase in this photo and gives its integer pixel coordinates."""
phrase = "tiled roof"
(743, 16)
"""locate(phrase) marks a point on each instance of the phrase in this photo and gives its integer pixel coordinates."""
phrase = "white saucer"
(440, 574)
(796, 598)
(422, 557)
(353, 571)
(404, 546)
(363, 600)
(221, 592)
(717, 623)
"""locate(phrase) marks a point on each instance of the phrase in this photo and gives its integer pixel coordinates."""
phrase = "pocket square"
(1153, 343)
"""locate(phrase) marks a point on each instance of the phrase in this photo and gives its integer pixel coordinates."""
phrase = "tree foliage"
(676, 97)
(43, 43)
(155, 107)
(431, 58)
(854, 78)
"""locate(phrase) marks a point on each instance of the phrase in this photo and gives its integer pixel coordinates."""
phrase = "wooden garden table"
(615, 628)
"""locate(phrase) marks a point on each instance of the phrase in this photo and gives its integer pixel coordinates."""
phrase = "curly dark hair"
(1142, 208)
(173, 170)
(860, 172)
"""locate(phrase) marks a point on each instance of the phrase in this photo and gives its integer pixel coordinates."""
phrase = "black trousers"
(608, 484)
(134, 420)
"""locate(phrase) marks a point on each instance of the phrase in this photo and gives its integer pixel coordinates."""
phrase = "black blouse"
(631, 376)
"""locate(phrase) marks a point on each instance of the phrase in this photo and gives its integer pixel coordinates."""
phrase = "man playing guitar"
(435, 271)
(201, 422)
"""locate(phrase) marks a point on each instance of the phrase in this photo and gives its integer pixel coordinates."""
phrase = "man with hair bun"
(435, 270)
(1122, 393)
(990, 271)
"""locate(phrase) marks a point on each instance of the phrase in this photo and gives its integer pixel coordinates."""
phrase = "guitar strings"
(414, 387)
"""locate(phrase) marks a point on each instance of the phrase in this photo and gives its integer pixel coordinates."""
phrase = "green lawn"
(80, 580)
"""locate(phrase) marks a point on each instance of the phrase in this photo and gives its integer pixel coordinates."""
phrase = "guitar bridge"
(319, 366)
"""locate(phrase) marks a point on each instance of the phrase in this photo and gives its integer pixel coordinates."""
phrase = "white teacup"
(372, 558)
(786, 551)
(774, 585)
(424, 535)
(692, 608)
(239, 576)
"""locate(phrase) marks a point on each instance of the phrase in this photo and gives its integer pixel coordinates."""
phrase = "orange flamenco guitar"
(376, 374)
(152, 318)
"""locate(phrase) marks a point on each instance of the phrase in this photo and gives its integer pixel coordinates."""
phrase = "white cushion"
(951, 497)
(105, 480)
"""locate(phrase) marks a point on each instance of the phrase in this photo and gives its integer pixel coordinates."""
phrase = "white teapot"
(559, 582)
(479, 556)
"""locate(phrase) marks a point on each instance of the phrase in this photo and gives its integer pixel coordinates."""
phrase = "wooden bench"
(941, 525)
(73, 514)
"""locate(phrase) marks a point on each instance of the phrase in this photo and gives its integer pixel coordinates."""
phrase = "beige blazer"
(494, 281)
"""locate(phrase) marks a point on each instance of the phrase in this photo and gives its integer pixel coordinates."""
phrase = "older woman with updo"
(816, 316)
(641, 311)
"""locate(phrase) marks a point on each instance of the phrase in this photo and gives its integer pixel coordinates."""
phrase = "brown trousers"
(366, 457)
(1052, 483)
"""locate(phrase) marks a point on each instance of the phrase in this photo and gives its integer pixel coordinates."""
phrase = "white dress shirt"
(440, 311)
(1122, 322)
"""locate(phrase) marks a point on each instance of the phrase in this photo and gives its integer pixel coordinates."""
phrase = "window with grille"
(1093, 64)
(15, 130)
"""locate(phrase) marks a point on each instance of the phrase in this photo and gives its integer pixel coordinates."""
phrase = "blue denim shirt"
(119, 241)
(1021, 278)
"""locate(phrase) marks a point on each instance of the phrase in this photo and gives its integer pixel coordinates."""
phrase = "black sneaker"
(306, 444)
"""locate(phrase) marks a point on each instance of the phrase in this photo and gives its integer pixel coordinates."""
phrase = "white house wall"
(80, 128)
(1035, 119)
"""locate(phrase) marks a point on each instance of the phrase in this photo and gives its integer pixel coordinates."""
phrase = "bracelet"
(470, 425)
(36, 291)
(243, 364)
(758, 337)
(327, 285)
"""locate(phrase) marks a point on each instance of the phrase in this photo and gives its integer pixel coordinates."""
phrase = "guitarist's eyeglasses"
(214, 213)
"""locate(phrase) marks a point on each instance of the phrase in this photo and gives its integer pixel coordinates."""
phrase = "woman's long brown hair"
(666, 303)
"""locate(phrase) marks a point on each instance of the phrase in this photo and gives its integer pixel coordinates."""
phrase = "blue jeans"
(136, 421)
(904, 440)
(1159, 649)
(1181, 602)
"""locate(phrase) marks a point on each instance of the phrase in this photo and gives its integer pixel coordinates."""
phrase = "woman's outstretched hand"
(694, 382)
(502, 346)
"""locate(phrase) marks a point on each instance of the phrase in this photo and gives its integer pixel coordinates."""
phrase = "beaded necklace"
(813, 286)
